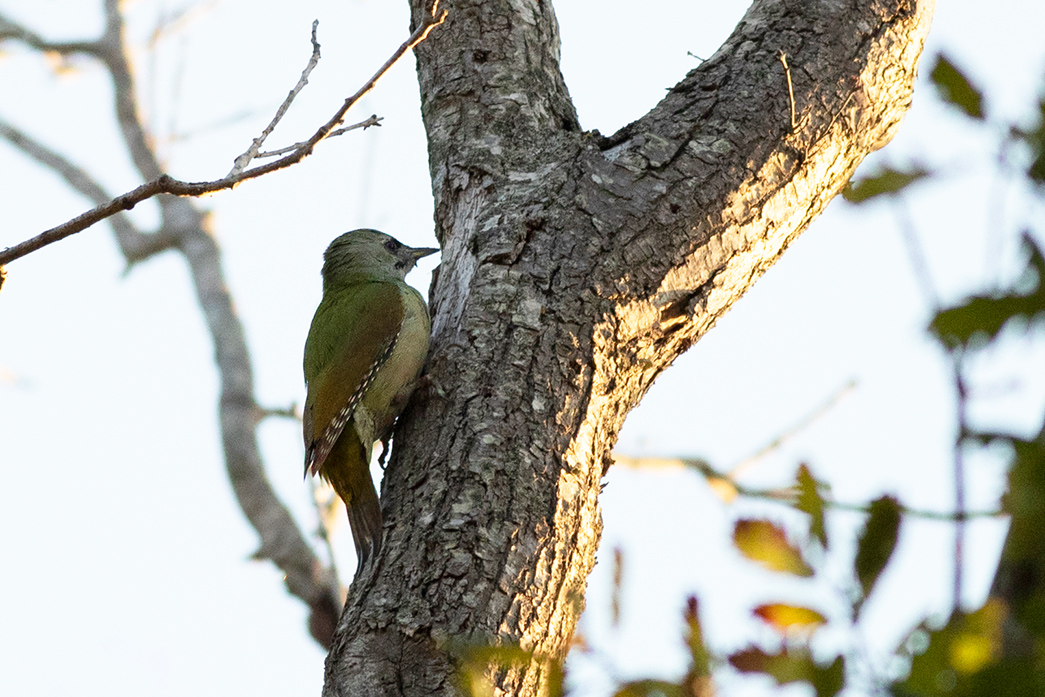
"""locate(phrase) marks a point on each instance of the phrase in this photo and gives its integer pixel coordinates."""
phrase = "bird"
(363, 356)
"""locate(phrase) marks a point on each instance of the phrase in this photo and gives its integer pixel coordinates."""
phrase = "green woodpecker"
(363, 355)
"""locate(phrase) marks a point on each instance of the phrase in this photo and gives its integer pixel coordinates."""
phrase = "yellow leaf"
(766, 543)
(785, 618)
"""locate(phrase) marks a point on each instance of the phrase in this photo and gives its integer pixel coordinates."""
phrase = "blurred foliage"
(788, 666)
(1035, 142)
(789, 618)
(766, 543)
(981, 318)
(1000, 648)
(479, 663)
(886, 181)
(876, 544)
(811, 501)
(954, 88)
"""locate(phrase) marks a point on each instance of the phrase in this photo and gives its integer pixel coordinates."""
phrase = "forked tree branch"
(134, 244)
(243, 160)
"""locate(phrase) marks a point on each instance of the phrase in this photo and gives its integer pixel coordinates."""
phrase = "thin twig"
(921, 272)
(786, 495)
(374, 120)
(185, 226)
(222, 122)
(243, 160)
(176, 21)
(166, 184)
(959, 476)
(13, 30)
(790, 89)
(291, 412)
(797, 428)
(915, 253)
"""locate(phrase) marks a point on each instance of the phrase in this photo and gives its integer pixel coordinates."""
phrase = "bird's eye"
(392, 245)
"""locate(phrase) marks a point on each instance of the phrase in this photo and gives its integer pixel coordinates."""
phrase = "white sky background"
(126, 564)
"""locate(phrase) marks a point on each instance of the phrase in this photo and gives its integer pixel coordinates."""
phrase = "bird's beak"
(421, 252)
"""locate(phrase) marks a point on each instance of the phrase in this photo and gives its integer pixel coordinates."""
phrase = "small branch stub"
(790, 88)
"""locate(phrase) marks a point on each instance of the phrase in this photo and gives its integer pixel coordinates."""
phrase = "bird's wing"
(352, 335)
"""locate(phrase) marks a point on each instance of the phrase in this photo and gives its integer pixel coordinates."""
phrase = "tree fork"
(576, 268)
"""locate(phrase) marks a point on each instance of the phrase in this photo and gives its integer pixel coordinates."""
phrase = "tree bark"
(575, 268)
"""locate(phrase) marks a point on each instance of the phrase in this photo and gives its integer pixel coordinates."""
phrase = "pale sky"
(127, 560)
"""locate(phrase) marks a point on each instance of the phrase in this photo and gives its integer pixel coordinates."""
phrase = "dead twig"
(241, 162)
(374, 120)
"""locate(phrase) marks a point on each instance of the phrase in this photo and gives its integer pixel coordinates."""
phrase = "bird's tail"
(348, 470)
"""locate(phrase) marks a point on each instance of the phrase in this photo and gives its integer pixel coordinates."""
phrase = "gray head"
(369, 254)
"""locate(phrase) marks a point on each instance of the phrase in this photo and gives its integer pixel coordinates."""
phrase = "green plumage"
(365, 349)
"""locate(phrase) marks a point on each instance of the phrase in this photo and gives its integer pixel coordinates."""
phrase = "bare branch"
(243, 160)
(374, 120)
(185, 226)
(961, 389)
(132, 125)
(165, 184)
(292, 412)
(9, 29)
(134, 244)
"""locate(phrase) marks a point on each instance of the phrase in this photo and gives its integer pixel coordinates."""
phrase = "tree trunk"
(575, 268)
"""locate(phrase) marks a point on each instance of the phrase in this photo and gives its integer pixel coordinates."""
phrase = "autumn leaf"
(790, 618)
(767, 544)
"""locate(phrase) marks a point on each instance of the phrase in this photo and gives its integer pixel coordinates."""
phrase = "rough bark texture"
(576, 268)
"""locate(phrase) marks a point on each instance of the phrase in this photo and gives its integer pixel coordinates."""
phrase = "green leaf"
(784, 667)
(476, 659)
(886, 181)
(980, 318)
(955, 88)
(811, 501)
(650, 688)
(787, 667)
(876, 545)
(957, 656)
(828, 681)
(1035, 140)
(699, 656)
(1023, 558)
(766, 543)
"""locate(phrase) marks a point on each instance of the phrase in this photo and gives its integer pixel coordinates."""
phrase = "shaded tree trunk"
(576, 268)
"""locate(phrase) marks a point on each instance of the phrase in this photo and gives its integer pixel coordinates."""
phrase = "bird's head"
(369, 254)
